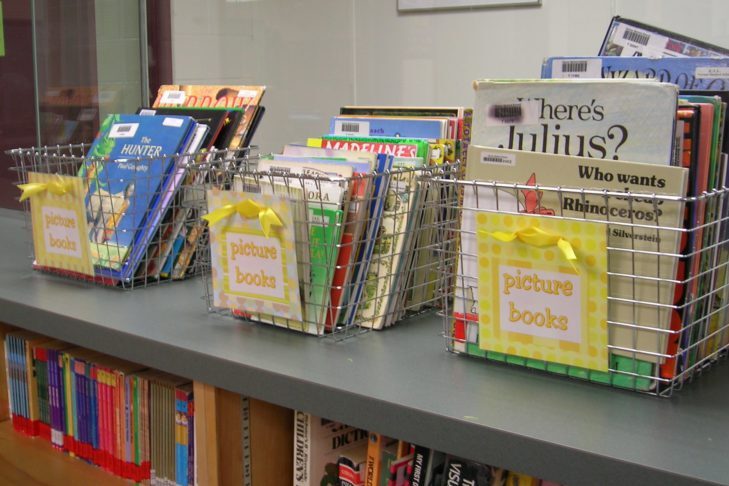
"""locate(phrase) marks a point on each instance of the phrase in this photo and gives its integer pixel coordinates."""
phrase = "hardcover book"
(688, 73)
(245, 98)
(350, 126)
(638, 228)
(598, 118)
(630, 38)
(318, 444)
(127, 172)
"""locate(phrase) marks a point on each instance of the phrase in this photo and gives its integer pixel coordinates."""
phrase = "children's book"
(360, 190)
(598, 118)
(630, 38)
(688, 73)
(216, 120)
(245, 98)
(127, 175)
(327, 205)
(640, 282)
(351, 126)
(318, 445)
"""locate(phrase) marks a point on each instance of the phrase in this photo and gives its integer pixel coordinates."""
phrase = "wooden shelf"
(29, 461)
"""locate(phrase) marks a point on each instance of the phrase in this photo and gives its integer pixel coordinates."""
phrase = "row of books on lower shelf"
(134, 422)
(140, 424)
(331, 453)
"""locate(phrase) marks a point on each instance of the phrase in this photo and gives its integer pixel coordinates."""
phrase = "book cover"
(327, 205)
(636, 299)
(597, 118)
(126, 174)
(215, 119)
(688, 73)
(370, 126)
(462, 472)
(396, 147)
(318, 444)
(631, 38)
(245, 98)
(389, 251)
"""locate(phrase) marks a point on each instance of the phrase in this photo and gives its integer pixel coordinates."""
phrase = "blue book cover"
(181, 423)
(688, 73)
(381, 183)
(387, 127)
(127, 174)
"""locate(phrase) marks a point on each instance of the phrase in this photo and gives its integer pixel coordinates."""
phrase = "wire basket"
(667, 280)
(139, 228)
(366, 266)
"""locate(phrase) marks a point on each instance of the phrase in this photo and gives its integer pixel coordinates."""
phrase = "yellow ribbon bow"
(537, 237)
(246, 209)
(58, 187)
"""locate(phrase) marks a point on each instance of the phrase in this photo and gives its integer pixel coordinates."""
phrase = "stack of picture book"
(617, 156)
(139, 227)
(328, 452)
(135, 423)
(361, 222)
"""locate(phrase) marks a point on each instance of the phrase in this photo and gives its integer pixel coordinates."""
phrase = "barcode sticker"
(123, 130)
(636, 36)
(247, 93)
(519, 113)
(498, 159)
(707, 72)
(352, 128)
(171, 121)
(577, 68)
(146, 112)
(173, 97)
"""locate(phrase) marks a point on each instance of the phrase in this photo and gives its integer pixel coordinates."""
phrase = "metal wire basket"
(363, 265)
(667, 280)
(145, 251)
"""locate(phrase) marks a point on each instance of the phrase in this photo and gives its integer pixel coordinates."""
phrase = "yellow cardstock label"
(60, 230)
(533, 301)
(253, 272)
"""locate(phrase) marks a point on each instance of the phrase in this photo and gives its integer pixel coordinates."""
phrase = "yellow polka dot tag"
(540, 298)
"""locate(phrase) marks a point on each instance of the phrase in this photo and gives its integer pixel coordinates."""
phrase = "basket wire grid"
(166, 222)
(377, 270)
(679, 283)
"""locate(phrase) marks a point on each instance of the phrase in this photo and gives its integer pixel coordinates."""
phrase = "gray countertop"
(400, 382)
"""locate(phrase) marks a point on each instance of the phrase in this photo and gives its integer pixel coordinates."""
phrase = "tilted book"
(688, 73)
(127, 175)
(643, 233)
(598, 118)
(630, 38)
(245, 98)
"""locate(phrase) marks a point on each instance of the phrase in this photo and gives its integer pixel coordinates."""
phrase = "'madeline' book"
(640, 281)
(597, 118)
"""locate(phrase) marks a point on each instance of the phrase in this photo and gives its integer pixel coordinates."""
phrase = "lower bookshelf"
(25, 460)
(400, 382)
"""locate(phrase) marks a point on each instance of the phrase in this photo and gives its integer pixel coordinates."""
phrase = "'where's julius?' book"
(688, 73)
(127, 171)
(597, 118)
(640, 282)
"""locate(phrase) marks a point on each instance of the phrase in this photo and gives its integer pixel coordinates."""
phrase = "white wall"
(315, 55)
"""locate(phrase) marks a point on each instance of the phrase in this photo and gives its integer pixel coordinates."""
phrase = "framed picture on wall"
(410, 5)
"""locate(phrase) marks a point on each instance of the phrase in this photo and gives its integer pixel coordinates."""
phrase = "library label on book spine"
(543, 289)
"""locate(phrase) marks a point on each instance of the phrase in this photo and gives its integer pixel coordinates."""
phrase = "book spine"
(53, 402)
(372, 466)
(420, 466)
(70, 431)
(302, 449)
(191, 440)
(180, 437)
(246, 440)
(24, 386)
